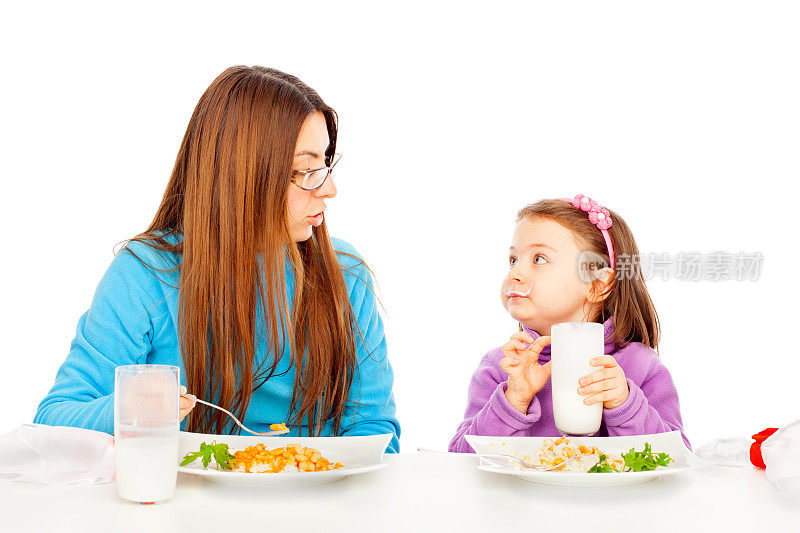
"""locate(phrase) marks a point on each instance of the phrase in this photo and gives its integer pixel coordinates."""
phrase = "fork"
(262, 434)
(503, 457)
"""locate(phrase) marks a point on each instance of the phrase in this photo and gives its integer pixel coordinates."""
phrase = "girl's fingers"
(519, 350)
(538, 345)
(523, 336)
(536, 348)
(601, 397)
(514, 346)
(524, 346)
(509, 365)
(599, 386)
(597, 375)
(518, 345)
(604, 360)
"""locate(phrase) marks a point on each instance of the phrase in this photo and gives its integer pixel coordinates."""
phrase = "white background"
(682, 116)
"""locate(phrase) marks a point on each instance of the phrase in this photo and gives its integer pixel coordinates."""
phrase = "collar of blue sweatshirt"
(608, 330)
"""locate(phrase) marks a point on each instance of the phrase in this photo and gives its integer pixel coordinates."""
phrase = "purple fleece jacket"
(652, 404)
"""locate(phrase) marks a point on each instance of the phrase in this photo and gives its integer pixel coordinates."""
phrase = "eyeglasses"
(310, 180)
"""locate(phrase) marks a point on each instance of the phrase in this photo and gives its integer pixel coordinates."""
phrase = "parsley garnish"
(643, 461)
(646, 460)
(219, 452)
(602, 466)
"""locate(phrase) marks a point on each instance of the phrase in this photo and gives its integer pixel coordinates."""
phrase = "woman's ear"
(600, 288)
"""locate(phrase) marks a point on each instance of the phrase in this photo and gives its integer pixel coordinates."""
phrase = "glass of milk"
(572, 345)
(146, 431)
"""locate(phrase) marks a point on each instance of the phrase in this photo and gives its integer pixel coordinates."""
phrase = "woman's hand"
(607, 385)
(187, 404)
(526, 376)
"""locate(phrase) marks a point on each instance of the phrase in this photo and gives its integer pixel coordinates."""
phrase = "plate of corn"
(590, 461)
(279, 461)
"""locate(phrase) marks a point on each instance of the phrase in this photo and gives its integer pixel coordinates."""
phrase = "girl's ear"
(601, 287)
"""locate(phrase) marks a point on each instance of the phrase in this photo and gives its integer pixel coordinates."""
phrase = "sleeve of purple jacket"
(488, 411)
(651, 407)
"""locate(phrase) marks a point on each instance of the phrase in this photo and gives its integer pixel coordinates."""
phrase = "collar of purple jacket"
(608, 329)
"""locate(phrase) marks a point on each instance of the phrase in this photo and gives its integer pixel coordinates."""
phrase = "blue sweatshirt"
(133, 320)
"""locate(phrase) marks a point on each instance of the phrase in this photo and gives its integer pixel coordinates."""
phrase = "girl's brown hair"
(227, 200)
(626, 298)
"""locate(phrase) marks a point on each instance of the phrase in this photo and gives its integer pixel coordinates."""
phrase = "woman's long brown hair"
(226, 198)
(627, 300)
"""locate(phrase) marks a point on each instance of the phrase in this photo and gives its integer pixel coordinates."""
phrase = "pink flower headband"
(598, 216)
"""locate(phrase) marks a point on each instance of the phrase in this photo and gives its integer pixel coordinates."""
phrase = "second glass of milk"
(572, 345)
(146, 431)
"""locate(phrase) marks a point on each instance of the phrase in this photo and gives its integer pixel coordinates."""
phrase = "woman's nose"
(328, 189)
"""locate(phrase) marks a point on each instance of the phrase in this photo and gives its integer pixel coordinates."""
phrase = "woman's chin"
(302, 234)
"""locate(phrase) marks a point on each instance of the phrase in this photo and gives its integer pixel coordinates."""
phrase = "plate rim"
(368, 452)
(274, 476)
(586, 475)
(693, 462)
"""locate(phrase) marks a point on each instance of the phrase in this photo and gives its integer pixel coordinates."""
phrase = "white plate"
(670, 442)
(358, 455)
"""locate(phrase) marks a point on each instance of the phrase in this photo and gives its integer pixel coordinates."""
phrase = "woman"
(237, 282)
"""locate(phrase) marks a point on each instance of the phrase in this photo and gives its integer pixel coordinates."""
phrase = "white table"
(417, 493)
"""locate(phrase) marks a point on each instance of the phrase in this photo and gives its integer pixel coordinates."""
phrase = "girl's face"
(544, 258)
(305, 208)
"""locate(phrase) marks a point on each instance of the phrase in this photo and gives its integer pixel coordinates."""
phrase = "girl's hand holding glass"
(607, 385)
(526, 376)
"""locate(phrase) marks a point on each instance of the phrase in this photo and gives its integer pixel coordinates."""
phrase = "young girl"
(238, 283)
(510, 391)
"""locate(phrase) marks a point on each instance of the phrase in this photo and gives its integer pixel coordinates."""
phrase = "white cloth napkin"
(781, 453)
(56, 455)
(732, 451)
